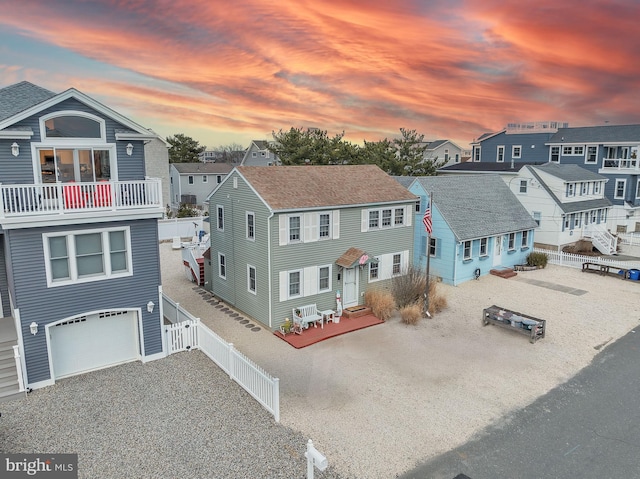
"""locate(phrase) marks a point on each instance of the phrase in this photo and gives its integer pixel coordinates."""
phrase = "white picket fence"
(190, 333)
(631, 239)
(576, 260)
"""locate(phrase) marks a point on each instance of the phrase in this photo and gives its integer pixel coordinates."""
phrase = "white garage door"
(93, 342)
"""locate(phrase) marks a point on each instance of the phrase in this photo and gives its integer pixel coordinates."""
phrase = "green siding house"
(287, 236)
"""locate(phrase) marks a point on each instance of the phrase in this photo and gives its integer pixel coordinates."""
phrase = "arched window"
(72, 126)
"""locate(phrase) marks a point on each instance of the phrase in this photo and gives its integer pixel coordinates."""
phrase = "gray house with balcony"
(609, 150)
(80, 285)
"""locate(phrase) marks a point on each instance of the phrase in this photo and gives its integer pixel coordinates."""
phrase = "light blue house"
(478, 225)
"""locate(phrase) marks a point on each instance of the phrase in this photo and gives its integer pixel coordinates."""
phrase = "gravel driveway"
(177, 417)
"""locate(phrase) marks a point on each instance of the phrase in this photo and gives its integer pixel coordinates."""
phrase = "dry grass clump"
(411, 314)
(381, 303)
(409, 287)
(437, 300)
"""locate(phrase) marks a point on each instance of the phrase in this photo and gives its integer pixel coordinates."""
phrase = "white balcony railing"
(72, 198)
(620, 164)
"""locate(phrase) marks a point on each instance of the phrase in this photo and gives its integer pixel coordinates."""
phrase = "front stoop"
(9, 386)
(356, 311)
(505, 273)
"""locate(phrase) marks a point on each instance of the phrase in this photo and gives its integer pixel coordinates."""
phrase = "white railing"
(181, 227)
(66, 198)
(190, 256)
(601, 238)
(620, 164)
(576, 260)
(253, 379)
(631, 239)
(16, 355)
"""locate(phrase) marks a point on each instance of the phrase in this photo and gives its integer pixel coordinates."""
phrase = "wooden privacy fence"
(190, 333)
(576, 260)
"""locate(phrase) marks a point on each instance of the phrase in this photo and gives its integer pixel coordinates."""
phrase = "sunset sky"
(233, 71)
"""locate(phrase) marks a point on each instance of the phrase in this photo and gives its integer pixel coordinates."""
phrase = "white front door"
(497, 251)
(93, 342)
(350, 287)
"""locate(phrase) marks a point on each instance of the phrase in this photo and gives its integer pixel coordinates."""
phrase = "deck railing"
(620, 164)
(70, 198)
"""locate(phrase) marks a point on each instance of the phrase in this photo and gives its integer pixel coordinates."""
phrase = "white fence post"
(232, 370)
(276, 399)
(16, 355)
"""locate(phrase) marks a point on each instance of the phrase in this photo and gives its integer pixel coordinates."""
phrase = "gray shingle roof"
(570, 173)
(486, 167)
(404, 180)
(21, 96)
(203, 168)
(302, 187)
(477, 206)
(597, 134)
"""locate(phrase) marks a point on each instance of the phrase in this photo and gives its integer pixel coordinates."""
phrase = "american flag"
(426, 219)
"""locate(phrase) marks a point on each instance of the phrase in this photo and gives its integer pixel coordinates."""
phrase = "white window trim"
(624, 189)
(435, 246)
(73, 270)
(551, 160)
(71, 144)
(190, 179)
(464, 247)
(377, 278)
(586, 156)
(638, 189)
(525, 184)
(219, 208)
(498, 160)
(511, 242)
(76, 141)
(329, 287)
(486, 247)
(513, 151)
(250, 213)
(300, 229)
(393, 263)
(524, 240)
(220, 258)
(477, 153)
(249, 268)
(330, 236)
(301, 290)
(205, 178)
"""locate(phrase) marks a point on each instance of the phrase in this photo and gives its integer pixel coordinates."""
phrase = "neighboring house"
(156, 163)
(443, 151)
(258, 154)
(79, 266)
(290, 236)
(610, 150)
(216, 156)
(191, 183)
(478, 225)
(568, 204)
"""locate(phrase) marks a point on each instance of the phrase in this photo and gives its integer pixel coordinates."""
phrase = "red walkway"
(315, 335)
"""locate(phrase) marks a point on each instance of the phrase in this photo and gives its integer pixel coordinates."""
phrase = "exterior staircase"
(600, 237)
(10, 384)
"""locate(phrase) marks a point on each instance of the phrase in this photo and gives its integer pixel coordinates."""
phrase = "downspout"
(269, 269)
(455, 266)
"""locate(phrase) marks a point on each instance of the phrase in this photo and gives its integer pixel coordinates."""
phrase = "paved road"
(588, 428)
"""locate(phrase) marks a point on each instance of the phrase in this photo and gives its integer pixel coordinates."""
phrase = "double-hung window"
(324, 283)
(374, 219)
(397, 264)
(466, 248)
(525, 239)
(251, 227)
(373, 271)
(596, 187)
(500, 156)
(386, 218)
(294, 229)
(222, 266)
(619, 190)
(555, 154)
(523, 186)
(220, 217)
(325, 226)
(516, 151)
(433, 242)
(190, 179)
(205, 179)
(398, 219)
(295, 282)
(483, 246)
(251, 279)
(585, 188)
(592, 154)
(512, 241)
(90, 255)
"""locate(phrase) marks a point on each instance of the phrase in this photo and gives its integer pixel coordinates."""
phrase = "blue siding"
(44, 305)
(539, 152)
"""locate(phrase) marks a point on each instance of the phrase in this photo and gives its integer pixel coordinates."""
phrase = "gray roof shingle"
(597, 134)
(570, 173)
(203, 168)
(477, 206)
(21, 96)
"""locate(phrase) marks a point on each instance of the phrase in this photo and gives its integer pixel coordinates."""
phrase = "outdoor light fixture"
(34, 328)
(150, 306)
(15, 149)
(129, 149)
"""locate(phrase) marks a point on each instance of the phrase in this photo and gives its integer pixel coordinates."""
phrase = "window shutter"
(283, 230)
(310, 278)
(310, 227)
(364, 226)
(284, 285)
(408, 214)
(404, 261)
(336, 224)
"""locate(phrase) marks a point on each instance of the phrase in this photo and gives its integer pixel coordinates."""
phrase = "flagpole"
(426, 292)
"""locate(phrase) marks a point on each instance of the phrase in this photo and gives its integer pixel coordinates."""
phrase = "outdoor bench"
(306, 315)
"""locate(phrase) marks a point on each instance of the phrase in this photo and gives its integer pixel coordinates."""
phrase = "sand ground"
(380, 400)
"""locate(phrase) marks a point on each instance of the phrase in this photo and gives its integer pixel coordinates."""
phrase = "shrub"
(409, 288)
(437, 300)
(537, 259)
(381, 303)
(411, 314)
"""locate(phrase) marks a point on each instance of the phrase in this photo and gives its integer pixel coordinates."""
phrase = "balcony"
(622, 165)
(55, 200)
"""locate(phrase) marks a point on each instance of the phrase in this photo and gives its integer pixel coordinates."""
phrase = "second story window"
(374, 219)
(500, 157)
(251, 233)
(555, 154)
(325, 226)
(220, 218)
(294, 229)
(386, 218)
(516, 151)
(190, 179)
(619, 190)
(399, 217)
(592, 154)
(205, 179)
